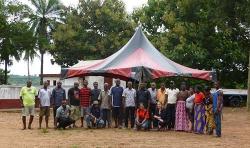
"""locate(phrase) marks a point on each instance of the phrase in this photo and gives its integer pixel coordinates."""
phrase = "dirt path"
(235, 130)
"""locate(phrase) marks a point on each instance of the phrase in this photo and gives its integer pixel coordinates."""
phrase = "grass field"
(235, 133)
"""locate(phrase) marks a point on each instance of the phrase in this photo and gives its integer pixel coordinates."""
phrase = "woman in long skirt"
(199, 111)
(181, 117)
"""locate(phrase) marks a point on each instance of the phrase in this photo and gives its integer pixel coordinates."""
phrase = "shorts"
(83, 111)
(44, 111)
(28, 111)
(75, 112)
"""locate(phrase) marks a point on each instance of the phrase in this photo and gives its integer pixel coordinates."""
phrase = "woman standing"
(210, 124)
(181, 116)
(199, 111)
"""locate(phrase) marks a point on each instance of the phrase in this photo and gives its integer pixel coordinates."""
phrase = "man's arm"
(64, 94)
(220, 101)
(53, 97)
(149, 98)
(69, 95)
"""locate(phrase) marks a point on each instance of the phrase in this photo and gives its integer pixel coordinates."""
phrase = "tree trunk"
(248, 92)
(41, 75)
(28, 68)
(6, 71)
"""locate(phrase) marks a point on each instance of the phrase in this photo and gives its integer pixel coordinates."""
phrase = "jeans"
(99, 123)
(170, 116)
(145, 125)
(217, 119)
(106, 116)
(130, 112)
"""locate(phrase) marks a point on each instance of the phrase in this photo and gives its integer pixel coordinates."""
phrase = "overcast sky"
(20, 67)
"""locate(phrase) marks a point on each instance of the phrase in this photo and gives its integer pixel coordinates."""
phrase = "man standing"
(116, 94)
(85, 94)
(44, 96)
(153, 102)
(217, 107)
(143, 96)
(95, 92)
(28, 95)
(58, 94)
(129, 95)
(171, 101)
(74, 101)
(161, 95)
(106, 104)
(63, 116)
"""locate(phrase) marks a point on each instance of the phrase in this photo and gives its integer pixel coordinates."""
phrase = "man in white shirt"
(129, 95)
(171, 93)
(44, 97)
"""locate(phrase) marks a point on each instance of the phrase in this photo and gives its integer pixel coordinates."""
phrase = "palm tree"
(29, 55)
(45, 16)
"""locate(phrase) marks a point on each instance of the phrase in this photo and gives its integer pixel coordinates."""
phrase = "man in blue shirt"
(116, 94)
(58, 95)
(217, 107)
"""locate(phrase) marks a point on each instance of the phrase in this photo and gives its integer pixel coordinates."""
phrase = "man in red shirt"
(84, 96)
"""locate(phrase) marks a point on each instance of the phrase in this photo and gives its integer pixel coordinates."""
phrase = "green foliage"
(43, 20)
(94, 30)
(2, 79)
(14, 34)
(201, 34)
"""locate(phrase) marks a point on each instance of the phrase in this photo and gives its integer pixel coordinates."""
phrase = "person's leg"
(152, 112)
(47, 114)
(88, 121)
(168, 117)
(127, 109)
(120, 116)
(54, 112)
(104, 117)
(173, 115)
(132, 116)
(109, 118)
(145, 125)
(40, 121)
(82, 115)
(115, 116)
(68, 122)
(24, 113)
(32, 113)
(100, 123)
(41, 114)
(218, 124)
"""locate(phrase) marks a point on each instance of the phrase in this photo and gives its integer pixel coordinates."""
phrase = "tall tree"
(29, 55)
(44, 16)
(200, 34)
(94, 30)
(14, 33)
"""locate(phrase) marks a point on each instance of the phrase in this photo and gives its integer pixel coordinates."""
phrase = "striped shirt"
(84, 96)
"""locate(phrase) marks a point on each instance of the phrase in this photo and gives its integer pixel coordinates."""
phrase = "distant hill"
(21, 80)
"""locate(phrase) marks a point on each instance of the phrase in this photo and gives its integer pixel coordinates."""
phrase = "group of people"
(190, 110)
